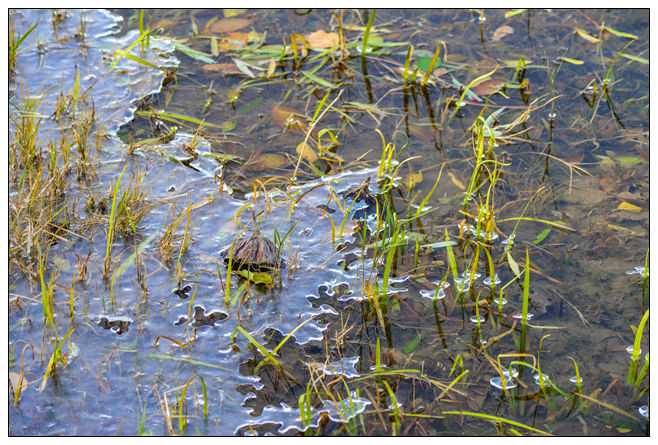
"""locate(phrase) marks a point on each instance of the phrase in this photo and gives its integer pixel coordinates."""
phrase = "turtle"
(256, 253)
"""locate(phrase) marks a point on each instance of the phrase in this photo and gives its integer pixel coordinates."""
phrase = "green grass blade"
(287, 337)
(636, 58)
(432, 63)
(110, 233)
(431, 192)
(260, 347)
(366, 33)
(319, 80)
(557, 224)
(524, 306)
(635, 354)
(496, 419)
(127, 55)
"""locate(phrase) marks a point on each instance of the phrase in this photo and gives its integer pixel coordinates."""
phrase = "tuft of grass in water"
(632, 376)
(20, 382)
(279, 241)
(15, 43)
(47, 293)
(57, 356)
(171, 241)
(111, 224)
(434, 60)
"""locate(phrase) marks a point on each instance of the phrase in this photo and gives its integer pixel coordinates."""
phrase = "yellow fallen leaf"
(414, 178)
(570, 60)
(322, 40)
(306, 152)
(616, 227)
(289, 119)
(630, 207)
(456, 181)
(271, 66)
(582, 33)
(233, 12)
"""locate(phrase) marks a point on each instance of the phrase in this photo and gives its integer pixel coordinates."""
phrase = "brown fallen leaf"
(607, 184)
(501, 32)
(290, 119)
(489, 86)
(422, 132)
(231, 24)
(265, 161)
(577, 159)
(322, 40)
(224, 68)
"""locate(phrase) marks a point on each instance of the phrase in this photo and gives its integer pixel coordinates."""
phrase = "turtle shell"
(256, 253)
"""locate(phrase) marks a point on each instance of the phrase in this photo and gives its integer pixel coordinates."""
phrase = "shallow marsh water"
(137, 351)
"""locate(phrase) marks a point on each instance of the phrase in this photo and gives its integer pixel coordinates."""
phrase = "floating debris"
(644, 411)
(575, 379)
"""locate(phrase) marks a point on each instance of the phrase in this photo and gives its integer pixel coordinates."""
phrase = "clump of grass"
(39, 208)
(15, 43)
(175, 237)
